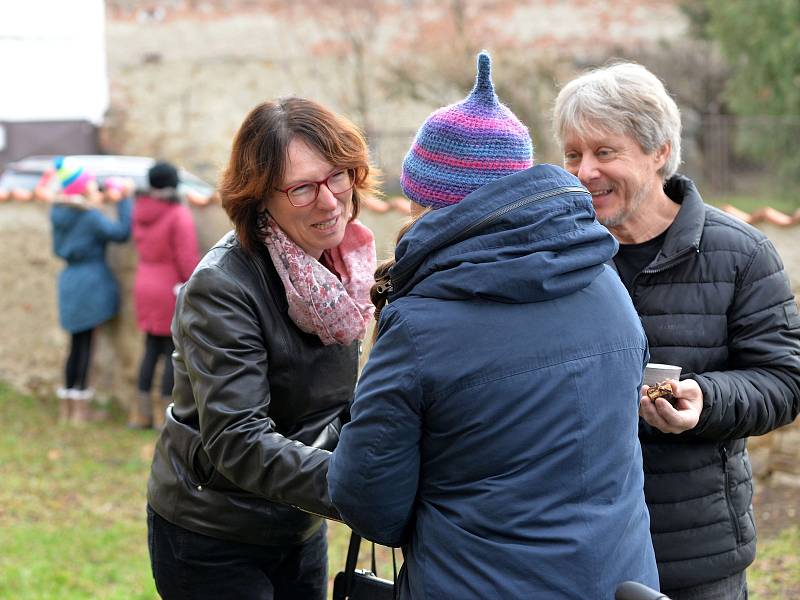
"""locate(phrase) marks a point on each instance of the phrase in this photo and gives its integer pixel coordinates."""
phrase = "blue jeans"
(191, 565)
(730, 588)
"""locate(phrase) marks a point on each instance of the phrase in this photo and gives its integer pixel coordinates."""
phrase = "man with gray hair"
(713, 297)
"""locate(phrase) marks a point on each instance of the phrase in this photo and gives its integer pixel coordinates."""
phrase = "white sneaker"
(83, 395)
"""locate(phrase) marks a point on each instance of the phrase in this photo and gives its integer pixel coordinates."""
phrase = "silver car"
(24, 174)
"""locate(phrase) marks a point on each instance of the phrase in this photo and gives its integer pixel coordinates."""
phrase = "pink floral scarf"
(336, 309)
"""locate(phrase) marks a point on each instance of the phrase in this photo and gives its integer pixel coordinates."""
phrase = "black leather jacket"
(253, 393)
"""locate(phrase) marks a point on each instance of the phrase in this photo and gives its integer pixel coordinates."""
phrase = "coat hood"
(64, 216)
(148, 210)
(528, 237)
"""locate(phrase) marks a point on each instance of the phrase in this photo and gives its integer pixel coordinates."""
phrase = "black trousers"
(76, 369)
(156, 346)
(191, 565)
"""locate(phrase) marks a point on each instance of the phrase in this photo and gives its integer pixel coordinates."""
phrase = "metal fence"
(749, 156)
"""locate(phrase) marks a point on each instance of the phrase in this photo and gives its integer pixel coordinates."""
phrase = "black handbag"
(358, 584)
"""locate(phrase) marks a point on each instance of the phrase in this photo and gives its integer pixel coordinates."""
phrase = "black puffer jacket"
(717, 302)
(248, 383)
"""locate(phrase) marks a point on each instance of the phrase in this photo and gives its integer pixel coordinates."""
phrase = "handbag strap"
(352, 560)
(395, 590)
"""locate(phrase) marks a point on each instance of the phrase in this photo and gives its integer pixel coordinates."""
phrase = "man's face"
(616, 171)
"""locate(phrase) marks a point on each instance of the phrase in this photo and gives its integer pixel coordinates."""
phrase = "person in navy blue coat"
(494, 427)
(88, 293)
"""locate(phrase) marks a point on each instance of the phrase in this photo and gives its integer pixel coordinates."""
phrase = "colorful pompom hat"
(73, 179)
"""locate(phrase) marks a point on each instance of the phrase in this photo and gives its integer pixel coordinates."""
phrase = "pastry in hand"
(661, 390)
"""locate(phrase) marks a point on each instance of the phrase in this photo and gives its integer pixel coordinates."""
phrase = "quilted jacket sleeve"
(762, 390)
(228, 371)
(374, 471)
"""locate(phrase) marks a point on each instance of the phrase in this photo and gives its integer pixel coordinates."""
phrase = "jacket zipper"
(723, 451)
(497, 213)
(493, 216)
(678, 258)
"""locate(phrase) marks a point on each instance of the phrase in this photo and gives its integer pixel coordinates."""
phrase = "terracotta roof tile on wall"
(403, 206)
(765, 214)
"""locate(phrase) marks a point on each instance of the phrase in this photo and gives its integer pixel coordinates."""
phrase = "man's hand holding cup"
(670, 413)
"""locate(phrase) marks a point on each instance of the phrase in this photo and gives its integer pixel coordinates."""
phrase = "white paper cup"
(655, 373)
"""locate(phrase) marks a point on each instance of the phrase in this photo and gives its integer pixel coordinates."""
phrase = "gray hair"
(626, 99)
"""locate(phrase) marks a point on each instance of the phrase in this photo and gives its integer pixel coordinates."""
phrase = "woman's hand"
(665, 417)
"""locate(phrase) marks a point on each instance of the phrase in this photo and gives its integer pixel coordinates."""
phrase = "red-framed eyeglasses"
(303, 194)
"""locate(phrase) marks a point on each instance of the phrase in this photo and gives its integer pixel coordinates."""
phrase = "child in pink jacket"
(166, 244)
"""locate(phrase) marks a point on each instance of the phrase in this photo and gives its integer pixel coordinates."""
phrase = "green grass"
(777, 568)
(72, 514)
(72, 508)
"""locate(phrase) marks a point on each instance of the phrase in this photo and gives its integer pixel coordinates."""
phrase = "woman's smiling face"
(320, 225)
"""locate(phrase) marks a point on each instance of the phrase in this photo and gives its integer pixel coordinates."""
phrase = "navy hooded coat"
(494, 428)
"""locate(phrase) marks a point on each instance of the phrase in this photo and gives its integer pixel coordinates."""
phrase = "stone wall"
(182, 81)
(34, 346)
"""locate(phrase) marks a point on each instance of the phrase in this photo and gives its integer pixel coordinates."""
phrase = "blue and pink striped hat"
(464, 146)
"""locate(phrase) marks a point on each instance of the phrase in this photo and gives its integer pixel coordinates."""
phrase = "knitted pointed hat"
(464, 146)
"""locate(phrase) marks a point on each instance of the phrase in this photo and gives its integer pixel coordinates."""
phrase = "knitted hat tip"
(483, 81)
(462, 147)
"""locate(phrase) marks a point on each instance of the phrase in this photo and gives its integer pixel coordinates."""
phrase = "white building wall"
(54, 60)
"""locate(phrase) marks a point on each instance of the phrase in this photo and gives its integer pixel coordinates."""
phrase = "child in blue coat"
(88, 293)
